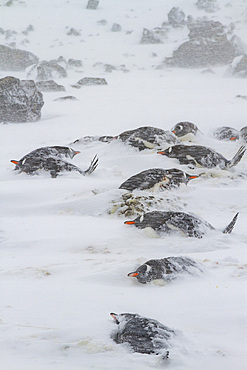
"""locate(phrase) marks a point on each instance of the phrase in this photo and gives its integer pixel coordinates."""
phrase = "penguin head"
(141, 273)
(72, 152)
(184, 128)
(154, 219)
(122, 317)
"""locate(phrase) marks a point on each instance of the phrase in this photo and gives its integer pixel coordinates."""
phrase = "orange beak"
(129, 222)
(194, 177)
(160, 152)
(15, 162)
(77, 152)
(233, 138)
(133, 274)
(113, 315)
(174, 131)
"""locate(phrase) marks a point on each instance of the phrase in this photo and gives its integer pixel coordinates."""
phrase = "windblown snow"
(64, 255)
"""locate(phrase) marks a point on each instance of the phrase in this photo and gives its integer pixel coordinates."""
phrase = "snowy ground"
(64, 258)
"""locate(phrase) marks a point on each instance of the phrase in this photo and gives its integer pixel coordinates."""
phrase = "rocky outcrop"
(209, 6)
(238, 68)
(49, 86)
(208, 45)
(15, 59)
(20, 100)
(44, 71)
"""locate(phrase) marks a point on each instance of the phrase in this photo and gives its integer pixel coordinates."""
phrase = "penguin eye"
(169, 149)
(141, 218)
(180, 127)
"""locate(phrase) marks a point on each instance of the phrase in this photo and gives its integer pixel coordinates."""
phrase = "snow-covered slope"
(64, 258)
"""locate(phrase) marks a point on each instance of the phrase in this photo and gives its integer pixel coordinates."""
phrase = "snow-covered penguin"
(32, 166)
(147, 137)
(157, 178)
(177, 222)
(201, 156)
(225, 133)
(185, 131)
(45, 152)
(165, 269)
(243, 133)
(143, 335)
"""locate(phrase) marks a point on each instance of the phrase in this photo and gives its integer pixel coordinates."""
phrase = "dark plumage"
(45, 152)
(157, 177)
(185, 131)
(202, 156)
(142, 334)
(147, 137)
(243, 133)
(226, 133)
(166, 269)
(171, 222)
(53, 165)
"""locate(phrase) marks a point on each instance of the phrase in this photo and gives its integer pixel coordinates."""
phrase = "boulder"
(44, 71)
(238, 68)
(176, 17)
(20, 100)
(208, 45)
(116, 27)
(90, 81)
(92, 4)
(15, 59)
(49, 86)
(150, 37)
(77, 63)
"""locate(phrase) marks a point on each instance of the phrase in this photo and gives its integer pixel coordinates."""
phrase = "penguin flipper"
(231, 225)
(237, 157)
(92, 167)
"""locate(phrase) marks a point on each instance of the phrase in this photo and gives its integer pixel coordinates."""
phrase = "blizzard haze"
(64, 258)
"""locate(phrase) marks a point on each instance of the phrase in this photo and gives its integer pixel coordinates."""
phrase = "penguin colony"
(141, 334)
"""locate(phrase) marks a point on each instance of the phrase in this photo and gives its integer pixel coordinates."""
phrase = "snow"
(65, 260)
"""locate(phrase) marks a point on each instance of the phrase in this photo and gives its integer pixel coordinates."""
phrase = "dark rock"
(15, 59)
(150, 37)
(92, 4)
(20, 100)
(102, 22)
(90, 81)
(48, 86)
(73, 32)
(238, 68)
(116, 27)
(74, 63)
(64, 98)
(209, 6)
(242, 97)
(208, 45)
(176, 17)
(46, 71)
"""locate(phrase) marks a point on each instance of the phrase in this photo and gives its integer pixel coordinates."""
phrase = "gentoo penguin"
(243, 133)
(185, 131)
(53, 165)
(147, 137)
(48, 151)
(172, 222)
(157, 178)
(165, 269)
(201, 156)
(226, 133)
(142, 334)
